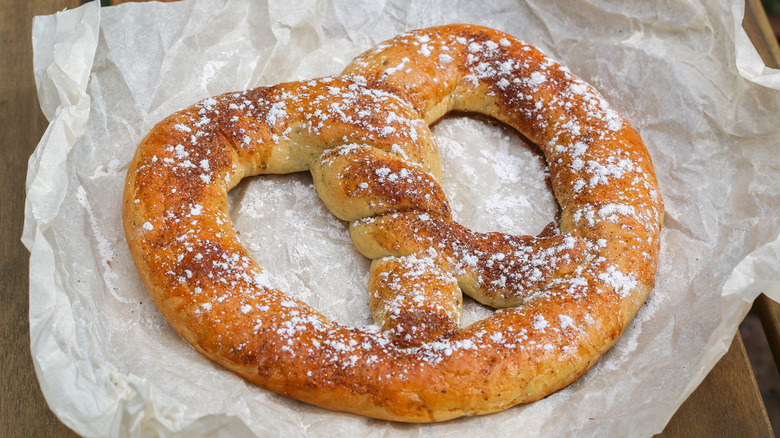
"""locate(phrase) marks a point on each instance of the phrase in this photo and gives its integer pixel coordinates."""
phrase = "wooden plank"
(727, 403)
(23, 411)
(769, 312)
(724, 405)
(758, 29)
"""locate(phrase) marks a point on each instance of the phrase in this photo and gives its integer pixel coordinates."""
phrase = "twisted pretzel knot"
(364, 136)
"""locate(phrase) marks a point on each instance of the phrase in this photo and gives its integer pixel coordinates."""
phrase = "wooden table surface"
(727, 403)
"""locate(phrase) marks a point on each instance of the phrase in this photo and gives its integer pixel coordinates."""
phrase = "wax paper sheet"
(683, 72)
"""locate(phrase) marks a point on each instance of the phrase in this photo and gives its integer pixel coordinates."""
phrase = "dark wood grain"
(727, 403)
(769, 312)
(758, 29)
(23, 411)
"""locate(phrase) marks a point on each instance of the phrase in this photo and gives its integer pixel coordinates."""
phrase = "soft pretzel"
(567, 297)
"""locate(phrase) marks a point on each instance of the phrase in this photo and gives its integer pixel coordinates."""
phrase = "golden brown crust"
(587, 284)
(414, 299)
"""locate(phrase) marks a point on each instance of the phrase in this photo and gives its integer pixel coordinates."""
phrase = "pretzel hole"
(305, 250)
(494, 181)
(507, 182)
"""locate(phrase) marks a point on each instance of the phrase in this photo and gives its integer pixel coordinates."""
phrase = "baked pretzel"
(364, 137)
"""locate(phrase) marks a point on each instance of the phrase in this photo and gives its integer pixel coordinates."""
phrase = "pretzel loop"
(399, 210)
(365, 139)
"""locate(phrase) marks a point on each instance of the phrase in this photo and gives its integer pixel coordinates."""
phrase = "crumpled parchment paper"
(683, 73)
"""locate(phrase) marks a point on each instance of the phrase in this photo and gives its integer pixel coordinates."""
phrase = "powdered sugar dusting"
(281, 128)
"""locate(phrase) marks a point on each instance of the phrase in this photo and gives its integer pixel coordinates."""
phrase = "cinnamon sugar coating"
(564, 298)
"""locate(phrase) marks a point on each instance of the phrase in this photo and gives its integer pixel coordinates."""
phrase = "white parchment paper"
(683, 72)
